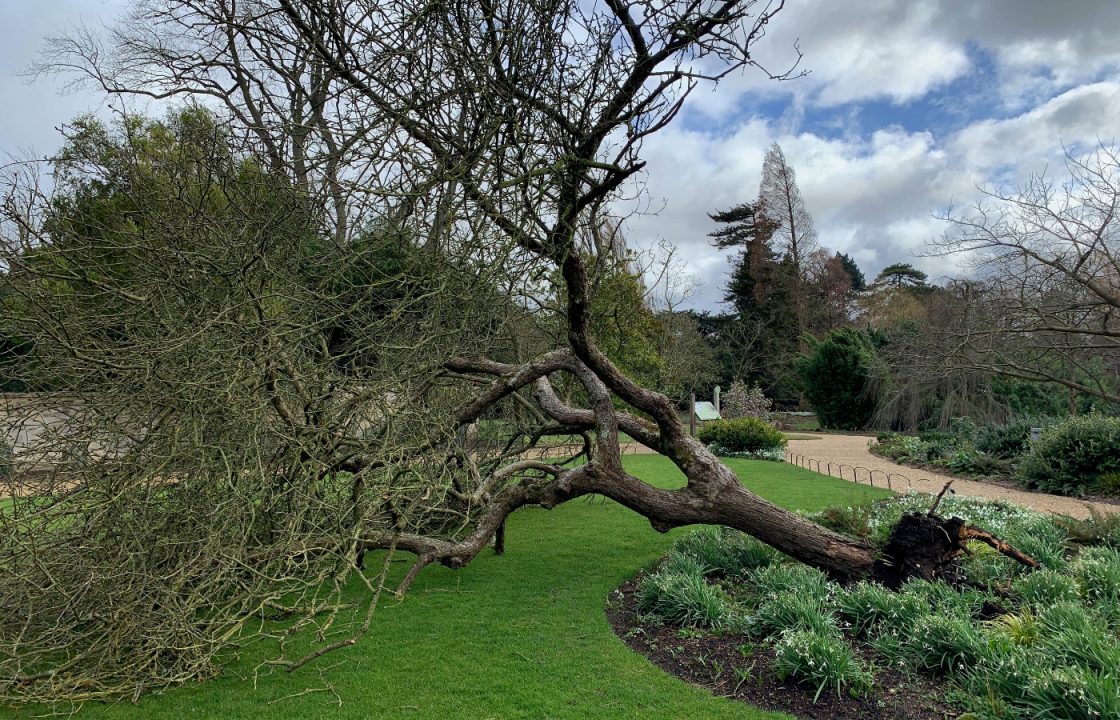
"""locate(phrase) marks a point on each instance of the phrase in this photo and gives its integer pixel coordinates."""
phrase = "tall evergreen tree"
(859, 282)
(758, 341)
(747, 229)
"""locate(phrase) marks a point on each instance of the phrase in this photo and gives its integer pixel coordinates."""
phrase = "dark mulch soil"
(711, 662)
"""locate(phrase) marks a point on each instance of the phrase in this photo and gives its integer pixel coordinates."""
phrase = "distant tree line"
(1033, 332)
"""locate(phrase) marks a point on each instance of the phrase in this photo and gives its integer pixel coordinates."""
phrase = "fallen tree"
(285, 393)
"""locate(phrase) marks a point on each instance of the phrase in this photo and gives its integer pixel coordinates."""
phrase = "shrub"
(1070, 456)
(1009, 440)
(726, 551)
(1098, 529)
(1108, 483)
(683, 598)
(741, 401)
(968, 461)
(822, 660)
(790, 610)
(835, 376)
(749, 435)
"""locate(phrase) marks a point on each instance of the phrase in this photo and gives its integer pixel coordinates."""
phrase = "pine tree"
(859, 282)
(764, 332)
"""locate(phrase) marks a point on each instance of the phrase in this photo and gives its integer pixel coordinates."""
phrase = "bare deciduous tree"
(1046, 303)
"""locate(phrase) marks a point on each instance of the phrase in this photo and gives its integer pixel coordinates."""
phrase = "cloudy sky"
(907, 107)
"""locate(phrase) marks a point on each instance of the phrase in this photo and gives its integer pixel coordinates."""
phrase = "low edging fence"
(852, 473)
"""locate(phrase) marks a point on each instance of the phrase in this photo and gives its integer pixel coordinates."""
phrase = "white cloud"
(873, 197)
(1081, 115)
(899, 50)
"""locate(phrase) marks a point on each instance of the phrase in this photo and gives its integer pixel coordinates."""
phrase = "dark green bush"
(743, 435)
(835, 375)
(1008, 440)
(968, 461)
(1070, 457)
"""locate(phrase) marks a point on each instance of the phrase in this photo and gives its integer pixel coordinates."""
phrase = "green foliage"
(822, 660)
(901, 275)
(1053, 655)
(944, 598)
(682, 595)
(835, 376)
(939, 644)
(1071, 694)
(790, 610)
(773, 580)
(1108, 484)
(1070, 456)
(725, 551)
(1044, 587)
(146, 216)
(1020, 628)
(1097, 529)
(746, 434)
(761, 290)
(624, 327)
(854, 521)
(1040, 537)
(868, 607)
(1008, 440)
(1097, 573)
(859, 283)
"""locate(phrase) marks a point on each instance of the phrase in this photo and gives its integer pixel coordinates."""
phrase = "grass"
(518, 636)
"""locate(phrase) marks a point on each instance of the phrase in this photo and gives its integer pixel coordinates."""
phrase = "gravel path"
(852, 450)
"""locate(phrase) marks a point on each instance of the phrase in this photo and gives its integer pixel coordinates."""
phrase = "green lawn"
(518, 636)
